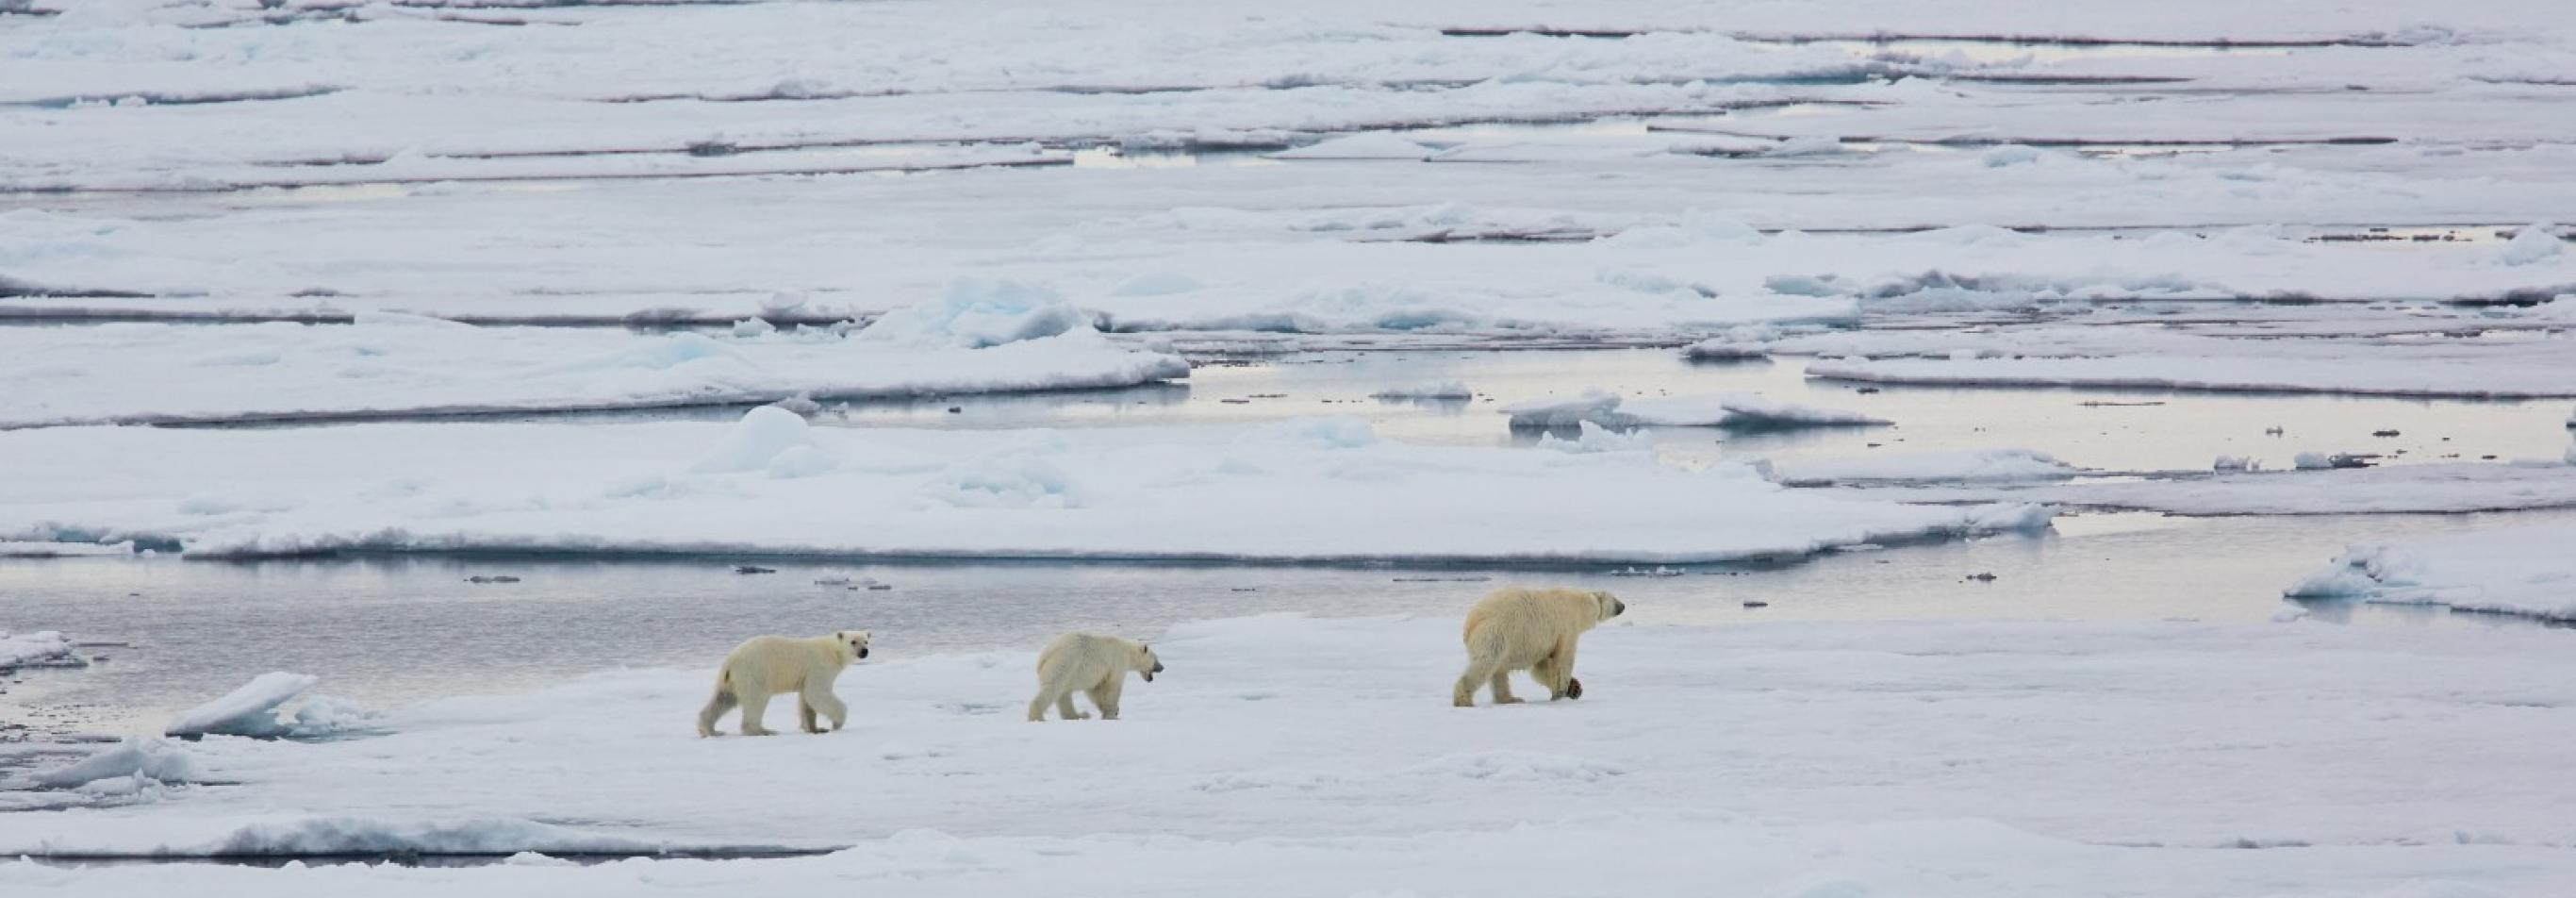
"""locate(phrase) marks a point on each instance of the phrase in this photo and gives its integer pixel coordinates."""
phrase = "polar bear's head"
(1144, 662)
(1610, 605)
(853, 641)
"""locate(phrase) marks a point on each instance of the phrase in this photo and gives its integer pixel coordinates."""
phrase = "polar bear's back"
(1519, 625)
(782, 663)
(1083, 658)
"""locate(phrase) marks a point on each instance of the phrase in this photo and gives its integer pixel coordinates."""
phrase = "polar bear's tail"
(722, 702)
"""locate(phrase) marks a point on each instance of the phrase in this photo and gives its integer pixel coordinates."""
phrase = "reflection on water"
(387, 631)
(2178, 431)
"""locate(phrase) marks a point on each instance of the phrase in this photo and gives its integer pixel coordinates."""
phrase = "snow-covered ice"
(1307, 490)
(137, 760)
(1879, 759)
(39, 647)
(2507, 570)
(394, 365)
(250, 710)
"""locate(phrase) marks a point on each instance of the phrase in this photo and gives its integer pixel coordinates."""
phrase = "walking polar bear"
(1529, 629)
(763, 666)
(1089, 663)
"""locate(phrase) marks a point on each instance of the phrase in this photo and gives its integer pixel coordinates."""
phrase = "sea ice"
(249, 710)
(2508, 570)
(1307, 490)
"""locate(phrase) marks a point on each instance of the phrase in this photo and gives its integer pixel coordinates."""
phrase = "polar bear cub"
(763, 666)
(1093, 664)
(1529, 629)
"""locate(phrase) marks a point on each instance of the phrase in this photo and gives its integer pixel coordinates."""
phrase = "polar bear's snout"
(1616, 608)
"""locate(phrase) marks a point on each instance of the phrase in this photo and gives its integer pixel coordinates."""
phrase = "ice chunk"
(46, 648)
(250, 710)
(1723, 348)
(146, 758)
(754, 327)
(1439, 389)
(2010, 154)
(2536, 241)
(980, 312)
(1596, 406)
(1596, 438)
(759, 438)
(2235, 463)
(1372, 145)
(2511, 570)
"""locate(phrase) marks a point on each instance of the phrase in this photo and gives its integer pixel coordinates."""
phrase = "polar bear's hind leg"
(722, 702)
(755, 704)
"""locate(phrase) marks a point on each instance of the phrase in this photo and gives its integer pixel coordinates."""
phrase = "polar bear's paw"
(1573, 688)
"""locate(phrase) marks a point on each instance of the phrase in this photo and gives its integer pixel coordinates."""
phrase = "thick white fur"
(1529, 629)
(1092, 664)
(764, 666)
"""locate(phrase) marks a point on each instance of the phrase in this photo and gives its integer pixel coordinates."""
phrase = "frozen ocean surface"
(1953, 390)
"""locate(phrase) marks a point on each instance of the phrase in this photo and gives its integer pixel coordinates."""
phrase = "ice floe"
(1313, 490)
(2506, 570)
(395, 366)
(2037, 756)
(40, 648)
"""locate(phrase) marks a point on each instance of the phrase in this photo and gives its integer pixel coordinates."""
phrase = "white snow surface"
(1314, 489)
(392, 365)
(248, 710)
(2507, 570)
(140, 760)
(41, 646)
(1964, 465)
(1731, 410)
(1954, 759)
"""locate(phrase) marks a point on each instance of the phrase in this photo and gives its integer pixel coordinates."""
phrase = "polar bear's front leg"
(754, 705)
(1558, 673)
(805, 715)
(1105, 695)
(821, 700)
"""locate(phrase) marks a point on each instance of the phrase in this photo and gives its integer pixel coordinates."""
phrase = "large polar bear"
(1529, 629)
(763, 666)
(1090, 663)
